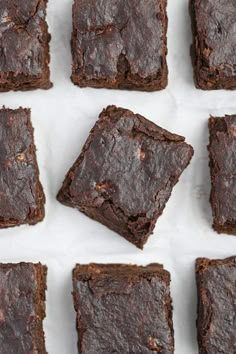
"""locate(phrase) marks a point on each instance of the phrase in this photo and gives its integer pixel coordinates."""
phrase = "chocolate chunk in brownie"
(222, 153)
(123, 309)
(120, 44)
(216, 324)
(125, 173)
(22, 308)
(214, 43)
(21, 194)
(24, 45)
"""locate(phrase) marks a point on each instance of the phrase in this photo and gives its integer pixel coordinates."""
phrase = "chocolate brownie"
(22, 308)
(222, 153)
(123, 309)
(24, 45)
(125, 173)
(214, 43)
(120, 44)
(216, 324)
(21, 193)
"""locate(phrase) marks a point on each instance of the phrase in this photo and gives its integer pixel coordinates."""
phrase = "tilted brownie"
(120, 44)
(21, 194)
(222, 154)
(22, 308)
(125, 173)
(24, 45)
(216, 324)
(214, 43)
(123, 309)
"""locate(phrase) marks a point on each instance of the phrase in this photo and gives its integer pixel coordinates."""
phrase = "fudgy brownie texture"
(123, 309)
(214, 43)
(21, 194)
(24, 45)
(222, 154)
(125, 173)
(120, 44)
(216, 325)
(22, 308)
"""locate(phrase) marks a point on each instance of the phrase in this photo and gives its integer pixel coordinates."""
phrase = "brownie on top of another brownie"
(214, 43)
(123, 309)
(21, 193)
(24, 45)
(120, 44)
(125, 173)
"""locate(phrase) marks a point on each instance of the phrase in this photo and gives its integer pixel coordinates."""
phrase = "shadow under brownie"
(24, 45)
(125, 173)
(21, 193)
(120, 44)
(123, 309)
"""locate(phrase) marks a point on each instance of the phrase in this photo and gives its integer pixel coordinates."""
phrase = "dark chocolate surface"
(120, 44)
(214, 45)
(222, 152)
(123, 309)
(24, 50)
(21, 194)
(216, 322)
(125, 173)
(22, 294)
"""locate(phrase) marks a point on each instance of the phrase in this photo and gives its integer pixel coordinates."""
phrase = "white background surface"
(62, 118)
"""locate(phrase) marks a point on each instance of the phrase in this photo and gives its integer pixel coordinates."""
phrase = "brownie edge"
(216, 308)
(111, 316)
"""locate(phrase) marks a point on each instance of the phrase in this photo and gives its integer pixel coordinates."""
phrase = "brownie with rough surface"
(24, 45)
(216, 324)
(21, 194)
(120, 44)
(214, 43)
(22, 308)
(123, 309)
(222, 154)
(125, 173)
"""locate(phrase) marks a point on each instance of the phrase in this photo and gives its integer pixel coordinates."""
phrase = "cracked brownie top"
(119, 42)
(24, 51)
(126, 172)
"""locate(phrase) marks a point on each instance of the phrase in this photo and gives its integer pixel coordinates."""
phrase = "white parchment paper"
(62, 118)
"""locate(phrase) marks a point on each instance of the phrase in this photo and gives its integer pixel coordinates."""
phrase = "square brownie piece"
(125, 173)
(22, 308)
(216, 324)
(222, 154)
(24, 45)
(21, 194)
(120, 44)
(214, 43)
(123, 309)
